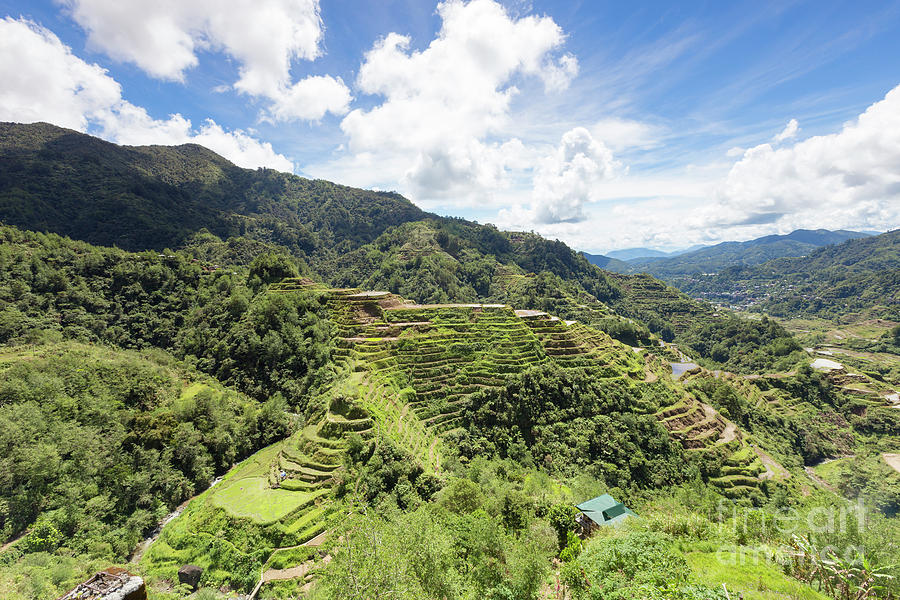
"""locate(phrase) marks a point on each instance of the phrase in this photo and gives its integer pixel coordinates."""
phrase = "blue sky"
(604, 124)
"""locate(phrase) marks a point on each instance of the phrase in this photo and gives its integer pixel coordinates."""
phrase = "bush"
(621, 566)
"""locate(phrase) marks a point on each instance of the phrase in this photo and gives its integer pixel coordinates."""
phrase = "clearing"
(252, 497)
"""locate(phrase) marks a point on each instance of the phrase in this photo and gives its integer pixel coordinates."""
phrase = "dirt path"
(297, 572)
(812, 475)
(893, 460)
(650, 375)
(154, 535)
(11, 542)
(730, 433)
(774, 470)
(281, 574)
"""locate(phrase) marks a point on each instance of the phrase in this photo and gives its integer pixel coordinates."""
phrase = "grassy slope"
(747, 573)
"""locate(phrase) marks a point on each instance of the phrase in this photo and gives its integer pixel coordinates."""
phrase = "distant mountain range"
(636, 253)
(712, 259)
(856, 276)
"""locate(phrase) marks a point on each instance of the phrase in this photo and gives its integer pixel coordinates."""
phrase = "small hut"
(601, 511)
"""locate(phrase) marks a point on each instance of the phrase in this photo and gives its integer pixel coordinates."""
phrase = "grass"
(747, 573)
(830, 471)
(252, 497)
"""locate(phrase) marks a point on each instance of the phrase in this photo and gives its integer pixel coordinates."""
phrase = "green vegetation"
(857, 276)
(728, 254)
(99, 444)
(158, 197)
(367, 444)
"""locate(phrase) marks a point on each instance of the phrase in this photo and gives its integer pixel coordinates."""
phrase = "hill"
(630, 254)
(143, 198)
(99, 444)
(606, 262)
(857, 276)
(155, 197)
(727, 254)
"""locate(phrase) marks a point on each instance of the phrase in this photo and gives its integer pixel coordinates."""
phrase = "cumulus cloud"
(164, 38)
(443, 107)
(44, 81)
(570, 177)
(789, 132)
(310, 98)
(848, 178)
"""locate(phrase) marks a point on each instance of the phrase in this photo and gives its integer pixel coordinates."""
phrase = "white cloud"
(569, 178)
(789, 132)
(438, 129)
(847, 179)
(309, 99)
(621, 134)
(164, 38)
(44, 81)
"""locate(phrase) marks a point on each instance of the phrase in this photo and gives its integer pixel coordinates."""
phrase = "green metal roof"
(605, 510)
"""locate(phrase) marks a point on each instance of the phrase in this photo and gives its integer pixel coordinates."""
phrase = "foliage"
(621, 566)
(260, 343)
(842, 579)
(97, 445)
(572, 421)
(855, 276)
(744, 345)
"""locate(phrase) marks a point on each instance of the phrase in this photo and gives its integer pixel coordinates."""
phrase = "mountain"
(632, 253)
(859, 275)
(715, 258)
(424, 397)
(606, 262)
(156, 197)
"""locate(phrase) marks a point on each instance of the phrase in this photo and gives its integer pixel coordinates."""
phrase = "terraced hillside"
(406, 372)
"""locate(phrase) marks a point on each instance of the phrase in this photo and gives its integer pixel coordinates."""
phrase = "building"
(600, 511)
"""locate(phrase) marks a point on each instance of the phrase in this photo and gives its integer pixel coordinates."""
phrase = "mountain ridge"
(711, 259)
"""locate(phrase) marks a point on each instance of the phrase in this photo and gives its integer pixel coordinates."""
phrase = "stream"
(144, 545)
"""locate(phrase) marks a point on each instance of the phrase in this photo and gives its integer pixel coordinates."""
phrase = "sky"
(605, 124)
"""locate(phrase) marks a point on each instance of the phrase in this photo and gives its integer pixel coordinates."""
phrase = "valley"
(324, 392)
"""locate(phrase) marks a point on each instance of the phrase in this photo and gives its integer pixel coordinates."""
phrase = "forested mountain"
(860, 275)
(142, 198)
(630, 254)
(155, 197)
(727, 254)
(607, 262)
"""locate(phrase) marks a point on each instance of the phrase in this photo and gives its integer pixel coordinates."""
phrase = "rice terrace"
(449, 300)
